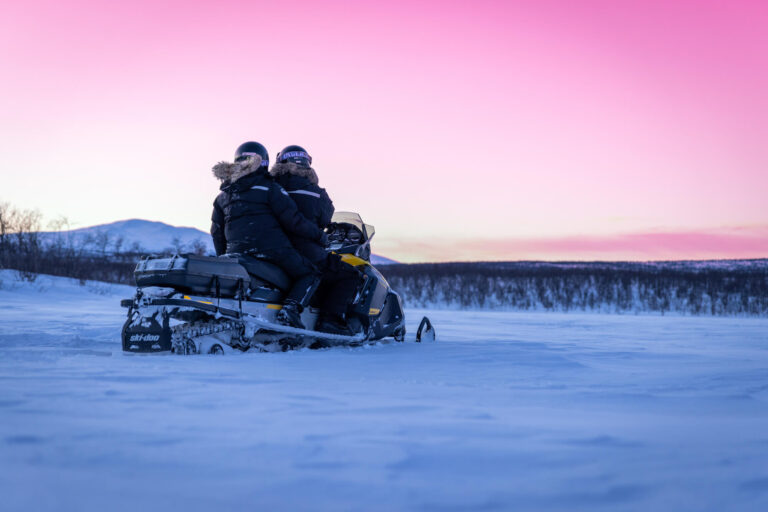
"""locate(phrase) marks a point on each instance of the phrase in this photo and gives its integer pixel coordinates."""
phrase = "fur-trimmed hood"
(297, 170)
(231, 172)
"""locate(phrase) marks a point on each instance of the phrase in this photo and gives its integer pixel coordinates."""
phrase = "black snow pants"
(338, 286)
(304, 274)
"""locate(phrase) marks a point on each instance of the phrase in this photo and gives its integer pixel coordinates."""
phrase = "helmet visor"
(245, 155)
(297, 157)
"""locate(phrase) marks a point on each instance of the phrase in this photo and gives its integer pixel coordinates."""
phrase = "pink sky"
(462, 130)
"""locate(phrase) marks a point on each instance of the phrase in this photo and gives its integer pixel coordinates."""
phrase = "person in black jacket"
(294, 172)
(252, 216)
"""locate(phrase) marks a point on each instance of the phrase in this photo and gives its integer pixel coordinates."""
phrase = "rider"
(294, 173)
(293, 170)
(252, 216)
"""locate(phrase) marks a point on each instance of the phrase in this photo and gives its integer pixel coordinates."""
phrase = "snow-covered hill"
(151, 236)
(506, 411)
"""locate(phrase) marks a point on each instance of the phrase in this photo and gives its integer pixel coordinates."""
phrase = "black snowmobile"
(189, 304)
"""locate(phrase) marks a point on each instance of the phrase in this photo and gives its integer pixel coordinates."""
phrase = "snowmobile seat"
(193, 274)
(266, 271)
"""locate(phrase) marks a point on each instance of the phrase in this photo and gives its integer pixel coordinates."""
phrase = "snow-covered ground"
(506, 411)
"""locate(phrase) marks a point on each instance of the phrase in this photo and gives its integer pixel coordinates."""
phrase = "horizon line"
(745, 242)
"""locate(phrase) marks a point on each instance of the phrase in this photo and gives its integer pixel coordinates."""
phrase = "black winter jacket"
(254, 213)
(313, 203)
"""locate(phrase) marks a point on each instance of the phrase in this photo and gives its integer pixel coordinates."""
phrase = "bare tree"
(198, 247)
(101, 242)
(20, 244)
(177, 246)
(117, 243)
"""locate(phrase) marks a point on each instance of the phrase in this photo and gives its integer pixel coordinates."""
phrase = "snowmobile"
(190, 304)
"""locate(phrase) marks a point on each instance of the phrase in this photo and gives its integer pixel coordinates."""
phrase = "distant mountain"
(381, 260)
(153, 236)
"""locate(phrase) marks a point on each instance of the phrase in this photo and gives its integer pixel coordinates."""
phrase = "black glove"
(324, 239)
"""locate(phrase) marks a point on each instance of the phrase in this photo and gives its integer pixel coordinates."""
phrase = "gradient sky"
(491, 130)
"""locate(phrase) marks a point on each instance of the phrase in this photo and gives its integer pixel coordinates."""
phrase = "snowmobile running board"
(303, 332)
(425, 332)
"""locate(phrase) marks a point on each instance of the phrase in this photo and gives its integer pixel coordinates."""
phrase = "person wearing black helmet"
(253, 215)
(293, 170)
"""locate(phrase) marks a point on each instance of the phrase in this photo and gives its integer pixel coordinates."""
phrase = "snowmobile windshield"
(348, 234)
(354, 219)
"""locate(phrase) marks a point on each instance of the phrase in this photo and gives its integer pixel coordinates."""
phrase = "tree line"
(97, 256)
(696, 288)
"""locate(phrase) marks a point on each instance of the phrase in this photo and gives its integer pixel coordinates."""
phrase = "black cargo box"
(197, 275)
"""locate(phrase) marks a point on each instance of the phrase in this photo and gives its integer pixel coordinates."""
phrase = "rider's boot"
(290, 314)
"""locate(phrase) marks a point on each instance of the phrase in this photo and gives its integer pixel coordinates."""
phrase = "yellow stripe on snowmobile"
(374, 311)
(274, 306)
(200, 301)
(353, 260)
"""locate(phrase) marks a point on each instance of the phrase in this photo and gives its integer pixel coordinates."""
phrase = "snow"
(506, 411)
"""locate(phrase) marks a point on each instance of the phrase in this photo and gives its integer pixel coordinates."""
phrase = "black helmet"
(295, 154)
(247, 149)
